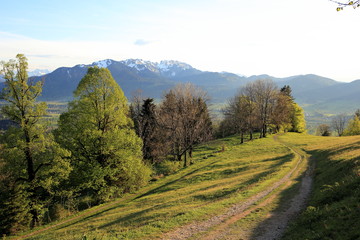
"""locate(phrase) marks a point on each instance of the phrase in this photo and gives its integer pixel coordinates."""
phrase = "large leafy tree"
(32, 163)
(96, 129)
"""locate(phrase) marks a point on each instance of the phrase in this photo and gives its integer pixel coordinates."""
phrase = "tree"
(341, 5)
(353, 127)
(323, 130)
(185, 120)
(240, 115)
(146, 126)
(338, 124)
(260, 105)
(281, 115)
(298, 123)
(357, 113)
(105, 150)
(33, 163)
(263, 92)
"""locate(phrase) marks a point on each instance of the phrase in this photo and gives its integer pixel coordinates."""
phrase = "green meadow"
(226, 173)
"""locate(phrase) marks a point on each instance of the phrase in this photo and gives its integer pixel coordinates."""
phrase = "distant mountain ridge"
(314, 93)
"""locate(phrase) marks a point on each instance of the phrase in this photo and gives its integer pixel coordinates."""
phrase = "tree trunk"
(190, 152)
(185, 160)
(29, 159)
(241, 137)
(264, 131)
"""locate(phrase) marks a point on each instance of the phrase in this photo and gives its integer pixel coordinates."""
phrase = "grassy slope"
(333, 211)
(215, 182)
(220, 179)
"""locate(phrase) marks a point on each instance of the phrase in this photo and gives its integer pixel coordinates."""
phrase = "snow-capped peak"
(165, 65)
(38, 72)
(140, 64)
(103, 63)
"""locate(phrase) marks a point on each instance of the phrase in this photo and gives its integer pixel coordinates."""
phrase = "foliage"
(338, 124)
(353, 127)
(105, 151)
(260, 106)
(34, 165)
(215, 181)
(184, 120)
(167, 167)
(146, 126)
(341, 5)
(298, 123)
(323, 130)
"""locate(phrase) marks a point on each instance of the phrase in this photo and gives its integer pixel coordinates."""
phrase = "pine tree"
(149, 126)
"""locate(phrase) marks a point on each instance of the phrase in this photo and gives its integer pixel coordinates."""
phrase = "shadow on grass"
(226, 192)
(140, 219)
(165, 187)
(334, 201)
(184, 181)
(273, 223)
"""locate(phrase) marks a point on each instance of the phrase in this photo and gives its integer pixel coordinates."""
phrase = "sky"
(250, 37)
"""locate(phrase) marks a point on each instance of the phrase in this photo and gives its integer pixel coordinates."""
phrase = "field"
(241, 192)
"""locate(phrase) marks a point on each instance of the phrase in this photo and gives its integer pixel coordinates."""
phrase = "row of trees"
(342, 125)
(94, 152)
(261, 106)
(103, 148)
(100, 149)
(179, 122)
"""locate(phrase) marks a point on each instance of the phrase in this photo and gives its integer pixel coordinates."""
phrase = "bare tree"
(185, 119)
(263, 92)
(338, 124)
(323, 130)
(240, 115)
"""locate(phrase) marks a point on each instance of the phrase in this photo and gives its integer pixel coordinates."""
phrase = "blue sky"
(277, 37)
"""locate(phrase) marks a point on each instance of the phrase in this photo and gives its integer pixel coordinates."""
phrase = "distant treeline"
(342, 125)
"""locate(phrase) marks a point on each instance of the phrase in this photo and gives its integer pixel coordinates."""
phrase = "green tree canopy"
(96, 129)
(298, 123)
(353, 127)
(33, 163)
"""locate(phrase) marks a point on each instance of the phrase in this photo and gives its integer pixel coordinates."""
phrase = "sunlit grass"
(334, 207)
(216, 181)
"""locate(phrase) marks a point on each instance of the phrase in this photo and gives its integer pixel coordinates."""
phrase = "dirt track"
(217, 227)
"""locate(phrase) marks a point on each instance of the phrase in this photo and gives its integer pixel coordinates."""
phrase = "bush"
(167, 167)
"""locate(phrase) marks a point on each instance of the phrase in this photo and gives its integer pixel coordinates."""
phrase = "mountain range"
(315, 93)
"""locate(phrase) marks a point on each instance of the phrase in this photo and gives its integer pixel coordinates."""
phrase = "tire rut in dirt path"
(275, 226)
(233, 213)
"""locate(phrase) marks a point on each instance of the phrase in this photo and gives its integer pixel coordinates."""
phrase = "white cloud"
(253, 37)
